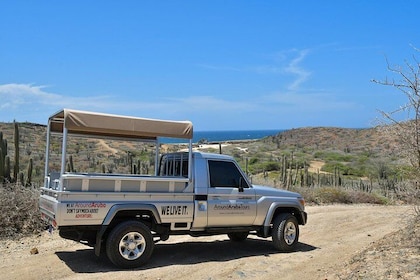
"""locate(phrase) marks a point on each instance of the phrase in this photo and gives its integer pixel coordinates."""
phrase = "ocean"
(226, 135)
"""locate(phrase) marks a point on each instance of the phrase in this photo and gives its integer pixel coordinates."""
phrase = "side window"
(224, 174)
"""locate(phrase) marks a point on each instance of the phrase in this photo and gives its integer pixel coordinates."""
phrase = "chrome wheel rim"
(132, 246)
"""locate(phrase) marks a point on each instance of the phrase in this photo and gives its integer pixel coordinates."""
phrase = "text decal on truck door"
(175, 210)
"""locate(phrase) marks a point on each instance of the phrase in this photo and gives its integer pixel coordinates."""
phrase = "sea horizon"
(225, 135)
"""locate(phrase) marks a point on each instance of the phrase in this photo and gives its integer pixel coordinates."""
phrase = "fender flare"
(272, 209)
(130, 206)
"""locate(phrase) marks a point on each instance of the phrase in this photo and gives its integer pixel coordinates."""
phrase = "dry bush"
(326, 195)
(19, 212)
(331, 195)
(365, 197)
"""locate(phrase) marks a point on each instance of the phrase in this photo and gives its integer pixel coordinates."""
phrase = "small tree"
(404, 122)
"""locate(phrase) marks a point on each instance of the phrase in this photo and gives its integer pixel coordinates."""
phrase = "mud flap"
(99, 240)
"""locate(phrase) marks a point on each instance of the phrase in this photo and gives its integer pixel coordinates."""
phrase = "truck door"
(231, 201)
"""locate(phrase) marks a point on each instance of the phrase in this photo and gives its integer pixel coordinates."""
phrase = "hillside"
(351, 147)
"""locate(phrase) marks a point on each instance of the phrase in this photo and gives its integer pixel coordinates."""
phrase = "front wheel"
(130, 244)
(285, 232)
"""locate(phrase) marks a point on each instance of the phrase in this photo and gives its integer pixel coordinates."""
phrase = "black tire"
(129, 245)
(238, 236)
(285, 232)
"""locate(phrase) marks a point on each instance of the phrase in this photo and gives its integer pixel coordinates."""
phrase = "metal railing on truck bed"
(122, 183)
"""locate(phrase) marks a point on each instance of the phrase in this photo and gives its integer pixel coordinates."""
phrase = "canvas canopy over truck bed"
(91, 123)
(87, 123)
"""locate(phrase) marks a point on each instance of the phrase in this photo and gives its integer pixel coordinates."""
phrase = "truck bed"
(85, 199)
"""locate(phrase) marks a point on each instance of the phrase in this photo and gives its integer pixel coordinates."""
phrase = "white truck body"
(190, 193)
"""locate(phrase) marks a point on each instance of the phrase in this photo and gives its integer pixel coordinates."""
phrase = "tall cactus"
(16, 138)
(70, 164)
(3, 155)
(2, 164)
(21, 178)
(7, 169)
(29, 175)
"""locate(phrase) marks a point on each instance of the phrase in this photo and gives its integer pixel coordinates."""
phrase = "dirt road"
(332, 236)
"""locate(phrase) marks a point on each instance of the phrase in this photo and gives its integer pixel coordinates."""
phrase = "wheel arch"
(131, 210)
(280, 208)
(122, 212)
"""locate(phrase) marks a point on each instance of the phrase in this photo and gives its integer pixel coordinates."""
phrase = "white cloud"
(294, 67)
(284, 64)
(17, 95)
(27, 102)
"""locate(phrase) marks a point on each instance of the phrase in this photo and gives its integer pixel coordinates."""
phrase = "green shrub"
(346, 169)
(271, 166)
(253, 160)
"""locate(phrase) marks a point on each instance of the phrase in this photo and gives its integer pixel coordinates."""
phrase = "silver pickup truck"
(194, 193)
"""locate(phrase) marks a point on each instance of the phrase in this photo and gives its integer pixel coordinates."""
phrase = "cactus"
(21, 178)
(29, 175)
(2, 165)
(16, 138)
(3, 155)
(5, 166)
(71, 166)
(7, 169)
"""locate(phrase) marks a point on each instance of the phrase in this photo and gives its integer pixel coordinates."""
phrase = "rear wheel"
(285, 232)
(238, 236)
(130, 244)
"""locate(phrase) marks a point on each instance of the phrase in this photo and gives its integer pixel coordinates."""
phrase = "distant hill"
(342, 139)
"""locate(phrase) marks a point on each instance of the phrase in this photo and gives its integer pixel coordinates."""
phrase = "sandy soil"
(328, 243)
(315, 167)
(106, 147)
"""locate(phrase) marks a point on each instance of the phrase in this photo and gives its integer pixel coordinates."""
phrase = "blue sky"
(224, 65)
